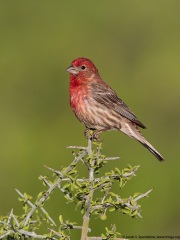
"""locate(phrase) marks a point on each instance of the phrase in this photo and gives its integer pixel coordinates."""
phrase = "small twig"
(4, 223)
(80, 227)
(45, 181)
(111, 158)
(143, 195)
(77, 147)
(56, 233)
(105, 194)
(54, 171)
(102, 206)
(31, 234)
(52, 187)
(10, 216)
(132, 173)
(89, 147)
(34, 206)
(16, 221)
(6, 234)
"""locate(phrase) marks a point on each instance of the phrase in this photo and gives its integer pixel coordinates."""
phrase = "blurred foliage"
(135, 45)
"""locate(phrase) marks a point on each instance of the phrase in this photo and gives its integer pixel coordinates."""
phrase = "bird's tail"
(149, 147)
(132, 131)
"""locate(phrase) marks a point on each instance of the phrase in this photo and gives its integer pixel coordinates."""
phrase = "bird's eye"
(83, 67)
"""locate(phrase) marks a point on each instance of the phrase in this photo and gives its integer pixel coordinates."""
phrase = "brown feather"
(109, 98)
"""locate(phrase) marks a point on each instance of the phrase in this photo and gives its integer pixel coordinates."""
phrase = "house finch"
(98, 107)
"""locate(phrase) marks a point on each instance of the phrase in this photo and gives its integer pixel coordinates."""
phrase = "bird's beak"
(72, 70)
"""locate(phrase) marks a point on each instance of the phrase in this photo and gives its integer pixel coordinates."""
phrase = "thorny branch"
(86, 217)
(52, 187)
(94, 160)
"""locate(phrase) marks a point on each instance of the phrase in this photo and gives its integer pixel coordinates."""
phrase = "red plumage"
(98, 107)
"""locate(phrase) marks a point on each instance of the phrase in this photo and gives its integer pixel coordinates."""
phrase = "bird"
(97, 106)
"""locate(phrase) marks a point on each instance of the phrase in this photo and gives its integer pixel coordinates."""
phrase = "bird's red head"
(82, 67)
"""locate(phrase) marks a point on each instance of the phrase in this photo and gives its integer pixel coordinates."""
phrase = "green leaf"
(61, 219)
(112, 209)
(103, 216)
(66, 185)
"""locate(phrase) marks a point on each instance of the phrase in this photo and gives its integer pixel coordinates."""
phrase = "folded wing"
(103, 94)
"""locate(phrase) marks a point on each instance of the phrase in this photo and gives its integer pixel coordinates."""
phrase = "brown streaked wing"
(103, 94)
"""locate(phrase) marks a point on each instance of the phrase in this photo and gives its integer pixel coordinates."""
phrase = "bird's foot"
(93, 134)
(88, 133)
(96, 137)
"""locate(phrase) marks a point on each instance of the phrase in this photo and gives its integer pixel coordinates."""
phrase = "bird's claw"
(94, 135)
(88, 133)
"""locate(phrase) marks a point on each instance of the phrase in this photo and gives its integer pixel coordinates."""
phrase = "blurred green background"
(136, 47)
